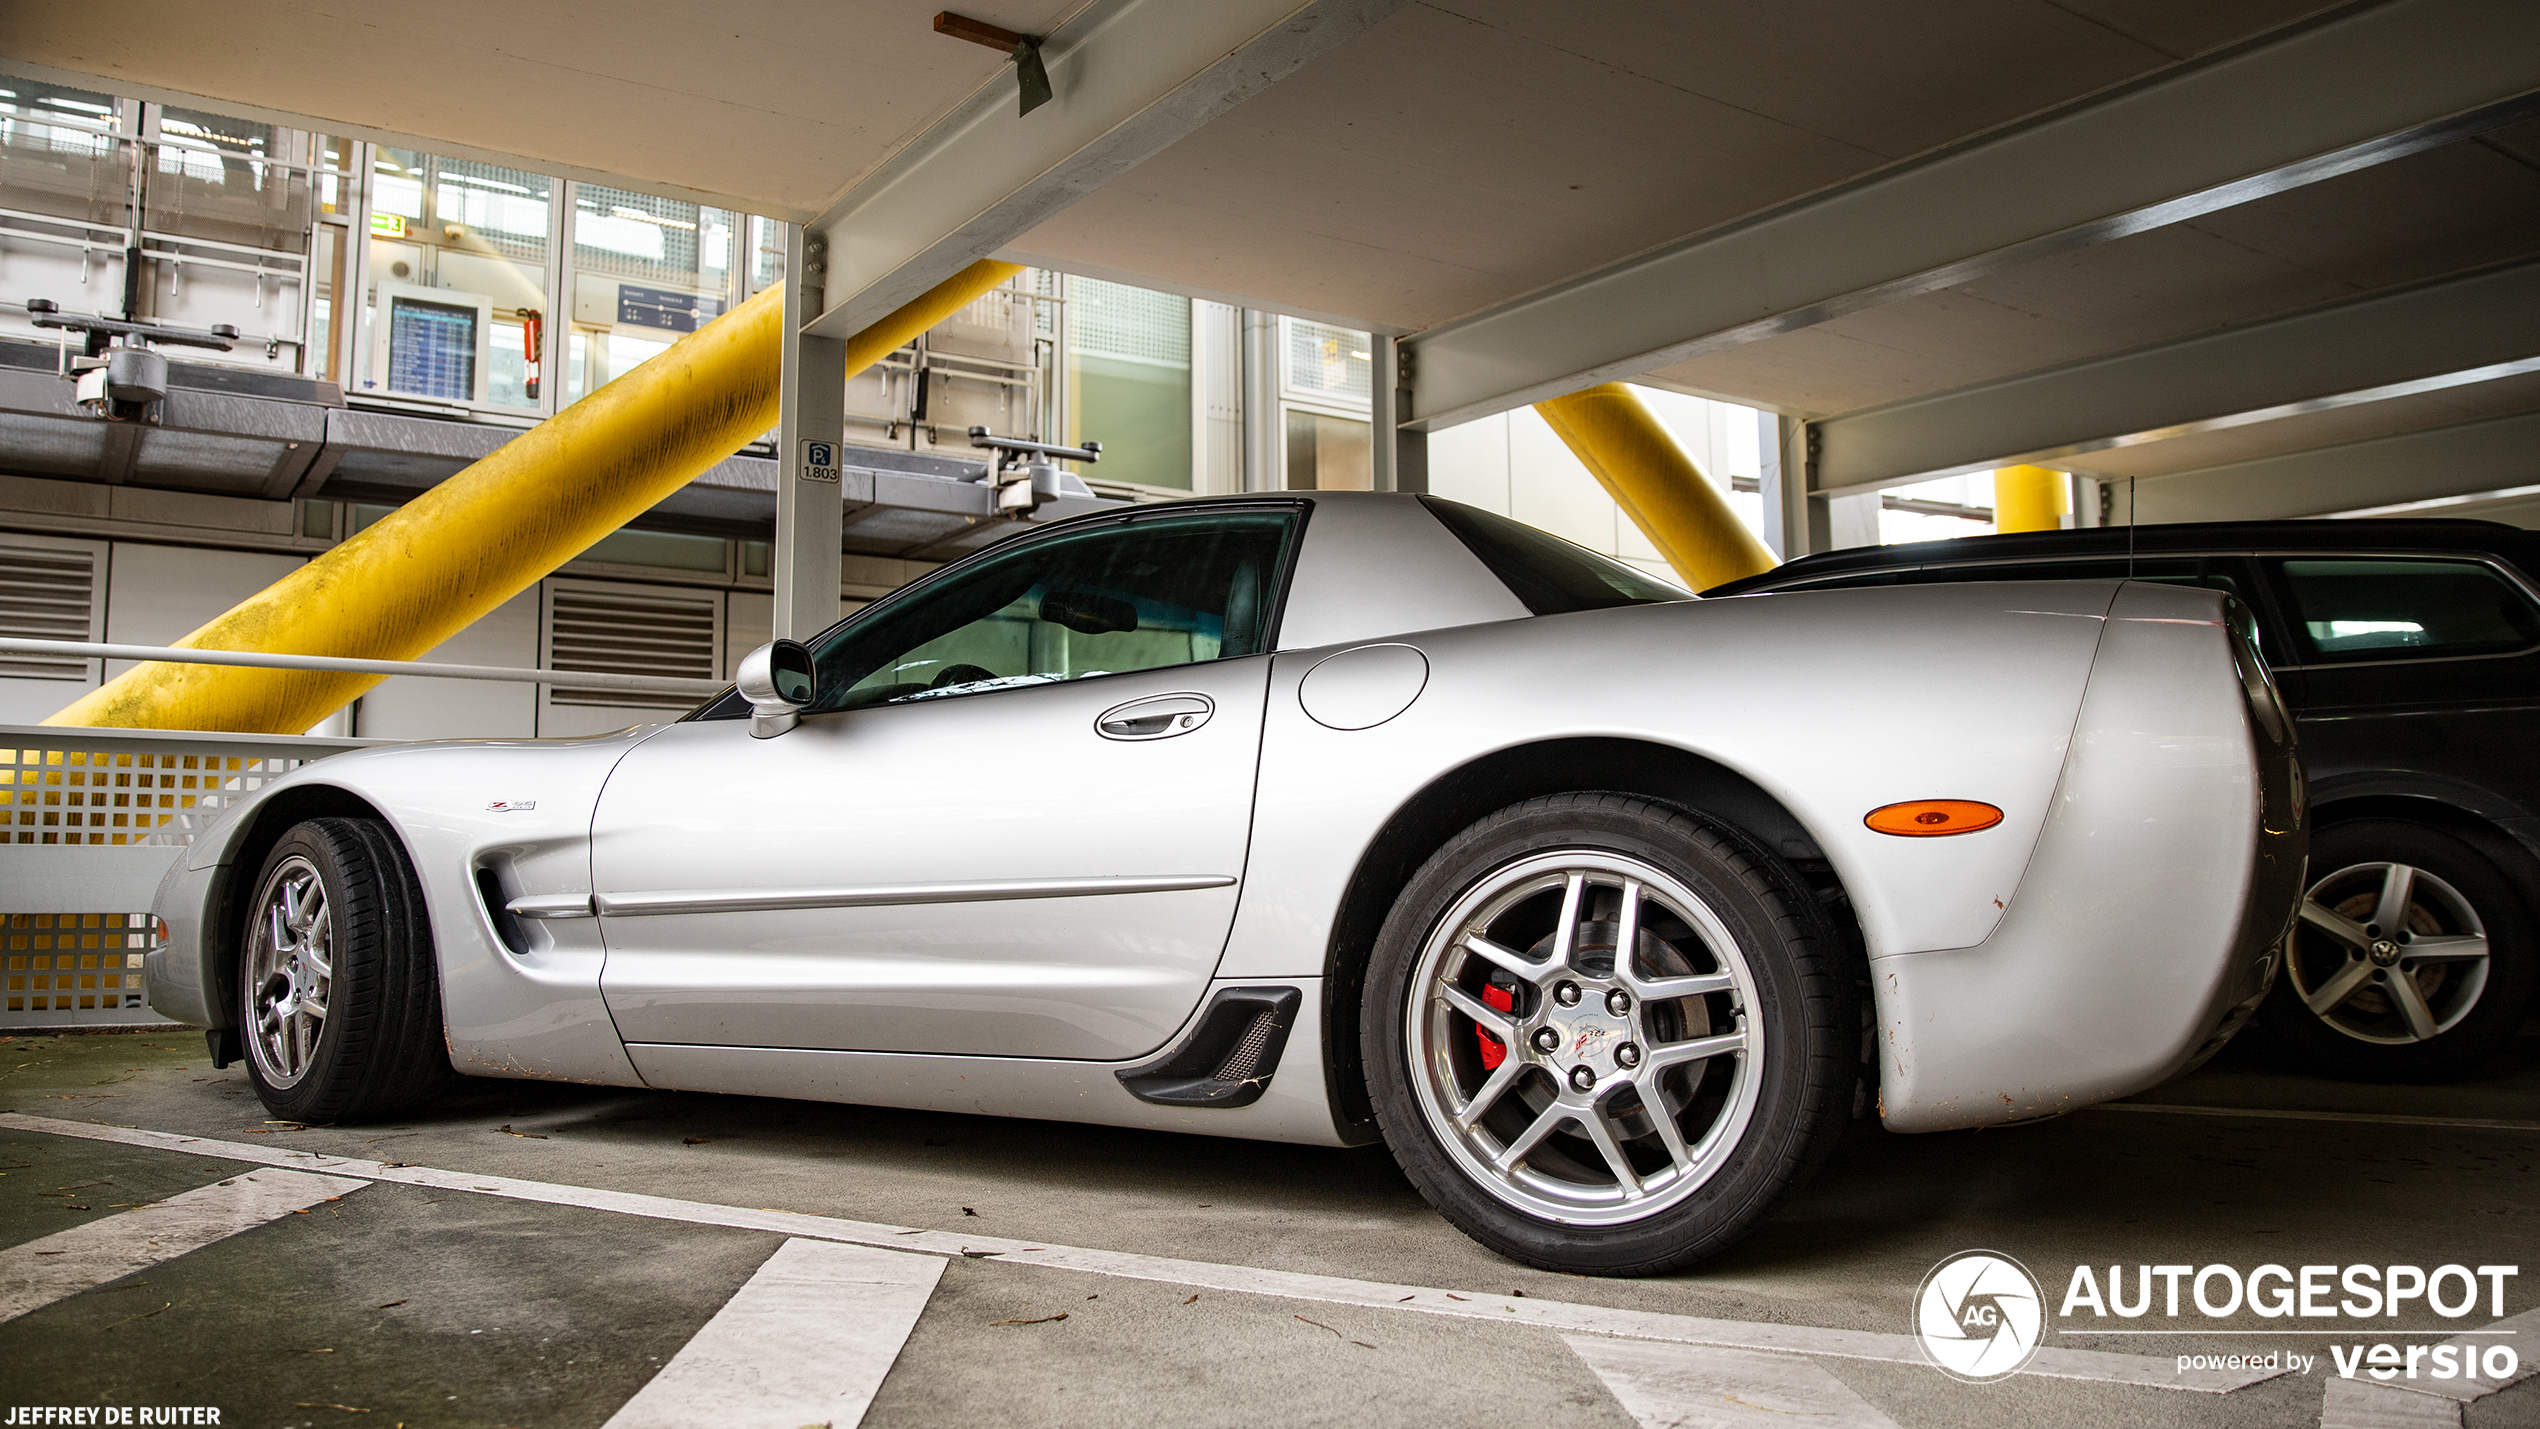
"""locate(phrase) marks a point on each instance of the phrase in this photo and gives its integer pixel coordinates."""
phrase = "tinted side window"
(1139, 595)
(2390, 609)
(1549, 575)
(2210, 572)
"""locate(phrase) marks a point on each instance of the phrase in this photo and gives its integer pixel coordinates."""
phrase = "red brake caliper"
(1493, 1052)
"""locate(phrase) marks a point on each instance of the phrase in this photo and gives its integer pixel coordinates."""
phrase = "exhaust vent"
(46, 593)
(630, 632)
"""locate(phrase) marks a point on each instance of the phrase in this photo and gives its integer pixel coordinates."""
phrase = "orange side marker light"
(1931, 818)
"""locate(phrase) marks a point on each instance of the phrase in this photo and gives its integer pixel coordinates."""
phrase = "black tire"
(377, 1047)
(2367, 1036)
(1804, 999)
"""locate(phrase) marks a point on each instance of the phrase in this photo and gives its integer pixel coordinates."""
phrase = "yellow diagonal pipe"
(1650, 476)
(451, 555)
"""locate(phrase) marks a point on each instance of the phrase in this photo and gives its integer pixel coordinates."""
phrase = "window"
(2407, 609)
(458, 259)
(1552, 576)
(1129, 379)
(1138, 595)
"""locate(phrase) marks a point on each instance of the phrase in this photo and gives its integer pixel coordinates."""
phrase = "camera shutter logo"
(1979, 1316)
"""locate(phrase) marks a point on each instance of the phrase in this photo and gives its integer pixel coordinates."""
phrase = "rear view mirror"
(778, 680)
(1089, 614)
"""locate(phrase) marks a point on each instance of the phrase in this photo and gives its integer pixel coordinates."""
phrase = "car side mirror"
(778, 680)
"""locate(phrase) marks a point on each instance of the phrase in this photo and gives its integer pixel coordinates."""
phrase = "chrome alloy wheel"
(2388, 953)
(1577, 1085)
(290, 971)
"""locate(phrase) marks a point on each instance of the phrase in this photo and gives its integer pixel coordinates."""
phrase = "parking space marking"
(58, 1266)
(2093, 1365)
(806, 1341)
(2459, 1123)
(2359, 1404)
(1697, 1387)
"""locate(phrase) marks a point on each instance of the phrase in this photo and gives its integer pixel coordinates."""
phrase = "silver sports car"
(1329, 819)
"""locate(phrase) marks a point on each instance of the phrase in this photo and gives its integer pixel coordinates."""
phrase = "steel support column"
(810, 516)
(1400, 454)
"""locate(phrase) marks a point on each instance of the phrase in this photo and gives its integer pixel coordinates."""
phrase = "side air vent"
(1227, 1060)
(498, 911)
(630, 633)
(46, 594)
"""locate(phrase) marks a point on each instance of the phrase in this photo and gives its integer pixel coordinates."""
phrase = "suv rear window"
(1550, 575)
(2390, 609)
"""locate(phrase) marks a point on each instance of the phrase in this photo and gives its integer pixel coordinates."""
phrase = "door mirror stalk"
(779, 681)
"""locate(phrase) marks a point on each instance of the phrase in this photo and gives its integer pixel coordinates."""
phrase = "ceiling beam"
(2497, 454)
(2364, 85)
(1129, 76)
(2423, 338)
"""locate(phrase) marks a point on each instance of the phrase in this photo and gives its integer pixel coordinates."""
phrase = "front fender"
(515, 814)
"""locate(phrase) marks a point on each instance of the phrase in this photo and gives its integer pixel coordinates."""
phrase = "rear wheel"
(1603, 1037)
(2413, 960)
(340, 1013)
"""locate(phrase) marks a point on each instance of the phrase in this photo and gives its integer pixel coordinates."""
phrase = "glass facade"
(1129, 380)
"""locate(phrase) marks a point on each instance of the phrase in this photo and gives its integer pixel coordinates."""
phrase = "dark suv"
(2410, 652)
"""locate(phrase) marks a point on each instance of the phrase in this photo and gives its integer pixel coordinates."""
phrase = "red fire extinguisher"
(533, 327)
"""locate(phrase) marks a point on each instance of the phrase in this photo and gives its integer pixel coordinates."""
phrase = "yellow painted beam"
(1655, 481)
(2030, 498)
(446, 558)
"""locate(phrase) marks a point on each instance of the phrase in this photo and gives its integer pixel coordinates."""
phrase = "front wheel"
(1603, 1037)
(340, 1012)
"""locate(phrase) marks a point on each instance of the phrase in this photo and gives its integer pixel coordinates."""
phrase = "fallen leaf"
(391, 1305)
(318, 1352)
(979, 1254)
(695, 1140)
(1192, 1301)
(1093, 1297)
(1407, 1297)
(506, 1129)
(128, 1319)
(968, 1212)
(1045, 1319)
(1451, 1295)
(1362, 1344)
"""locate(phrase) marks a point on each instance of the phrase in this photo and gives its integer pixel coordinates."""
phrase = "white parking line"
(807, 1341)
(2093, 1365)
(2357, 1404)
(40, 1272)
(1688, 1387)
(2460, 1123)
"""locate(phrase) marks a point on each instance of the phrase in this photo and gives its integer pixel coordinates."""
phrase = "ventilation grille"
(630, 633)
(46, 594)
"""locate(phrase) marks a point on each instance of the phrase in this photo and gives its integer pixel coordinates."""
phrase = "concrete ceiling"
(1449, 160)
(768, 106)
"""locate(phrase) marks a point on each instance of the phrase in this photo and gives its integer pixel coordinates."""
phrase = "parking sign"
(820, 461)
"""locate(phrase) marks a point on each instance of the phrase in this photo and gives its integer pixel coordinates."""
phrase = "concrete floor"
(428, 1305)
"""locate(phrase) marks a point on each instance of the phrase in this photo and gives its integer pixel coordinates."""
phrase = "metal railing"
(172, 655)
(91, 819)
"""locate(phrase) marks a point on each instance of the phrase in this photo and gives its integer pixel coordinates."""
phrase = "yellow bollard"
(1657, 484)
(2030, 498)
(446, 558)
